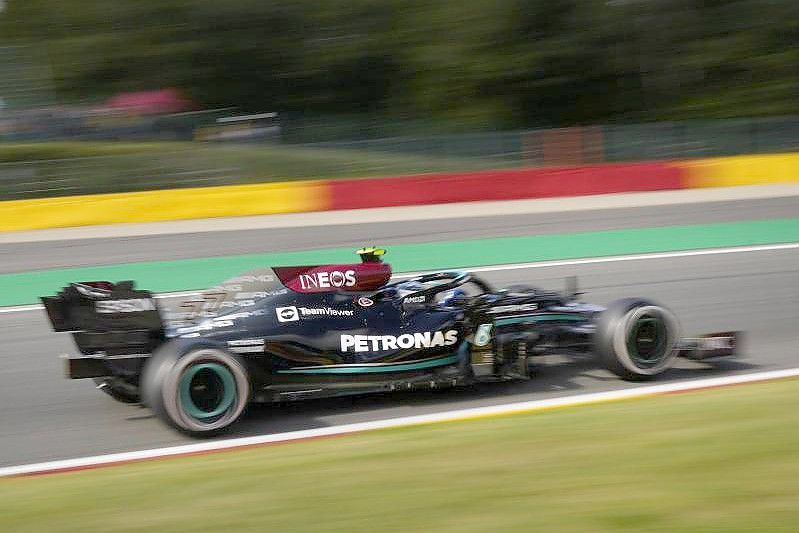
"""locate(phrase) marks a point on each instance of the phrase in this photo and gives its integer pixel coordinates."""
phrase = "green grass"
(715, 460)
(35, 170)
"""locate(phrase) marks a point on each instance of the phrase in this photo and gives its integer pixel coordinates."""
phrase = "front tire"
(636, 339)
(199, 390)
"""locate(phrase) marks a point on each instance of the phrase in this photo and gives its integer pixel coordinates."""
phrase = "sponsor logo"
(294, 313)
(244, 314)
(363, 301)
(483, 335)
(245, 349)
(225, 321)
(378, 343)
(325, 311)
(287, 314)
(137, 305)
(188, 315)
(415, 299)
(219, 324)
(247, 342)
(326, 280)
(245, 299)
(246, 345)
(237, 303)
(512, 308)
(205, 326)
(259, 294)
(239, 293)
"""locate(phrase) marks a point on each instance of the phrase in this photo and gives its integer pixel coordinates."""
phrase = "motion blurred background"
(458, 100)
(381, 87)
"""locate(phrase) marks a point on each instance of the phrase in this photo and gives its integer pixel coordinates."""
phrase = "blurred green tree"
(468, 65)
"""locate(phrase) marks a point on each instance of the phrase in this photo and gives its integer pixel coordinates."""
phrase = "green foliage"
(24, 152)
(480, 64)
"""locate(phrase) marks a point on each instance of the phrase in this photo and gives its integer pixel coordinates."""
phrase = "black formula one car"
(290, 333)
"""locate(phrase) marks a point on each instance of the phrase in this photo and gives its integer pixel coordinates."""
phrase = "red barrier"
(503, 185)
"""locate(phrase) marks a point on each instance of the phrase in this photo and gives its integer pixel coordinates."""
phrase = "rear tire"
(637, 339)
(199, 390)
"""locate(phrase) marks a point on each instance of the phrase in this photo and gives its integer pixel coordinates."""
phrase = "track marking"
(523, 266)
(445, 416)
(621, 258)
(562, 204)
(20, 308)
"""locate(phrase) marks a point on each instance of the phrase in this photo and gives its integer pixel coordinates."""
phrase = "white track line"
(446, 416)
(621, 258)
(522, 266)
(20, 308)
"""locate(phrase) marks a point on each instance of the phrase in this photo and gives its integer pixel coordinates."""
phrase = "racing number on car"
(483, 335)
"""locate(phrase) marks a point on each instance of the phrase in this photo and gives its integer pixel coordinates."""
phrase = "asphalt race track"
(26, 256)
(45, 417)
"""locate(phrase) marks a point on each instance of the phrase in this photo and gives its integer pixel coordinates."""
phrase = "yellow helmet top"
(371, 253)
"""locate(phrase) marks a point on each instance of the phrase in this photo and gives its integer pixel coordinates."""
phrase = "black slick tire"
(637, 339)
(200, 390)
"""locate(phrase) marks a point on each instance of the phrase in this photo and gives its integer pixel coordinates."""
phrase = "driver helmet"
(447, 297)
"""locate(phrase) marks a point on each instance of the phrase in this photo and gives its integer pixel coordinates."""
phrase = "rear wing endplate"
(116, 319)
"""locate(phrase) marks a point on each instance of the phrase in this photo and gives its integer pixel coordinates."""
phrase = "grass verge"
(725, 459)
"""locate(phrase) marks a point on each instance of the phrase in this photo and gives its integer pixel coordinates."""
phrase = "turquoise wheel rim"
(202, 377)
(647, 341)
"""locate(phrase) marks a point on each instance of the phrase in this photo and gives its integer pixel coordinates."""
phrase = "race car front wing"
(710, 346)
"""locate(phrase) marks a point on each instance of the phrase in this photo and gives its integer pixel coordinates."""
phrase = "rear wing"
(115, 319)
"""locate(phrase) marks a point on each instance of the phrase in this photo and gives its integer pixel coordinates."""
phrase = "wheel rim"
(648, 341)
(207, 391)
